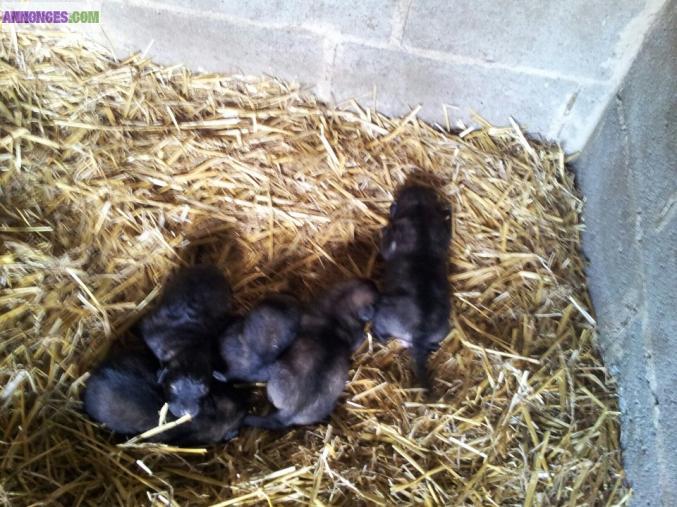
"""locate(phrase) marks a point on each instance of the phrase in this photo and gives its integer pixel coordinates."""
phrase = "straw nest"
(115, 172)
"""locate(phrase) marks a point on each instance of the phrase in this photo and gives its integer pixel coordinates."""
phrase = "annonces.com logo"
(50, 17)
(17, 14)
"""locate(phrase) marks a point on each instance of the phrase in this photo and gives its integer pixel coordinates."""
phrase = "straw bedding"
(115, 172)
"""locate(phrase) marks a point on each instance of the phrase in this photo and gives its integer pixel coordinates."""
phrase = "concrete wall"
(628, 173)
(553, 66)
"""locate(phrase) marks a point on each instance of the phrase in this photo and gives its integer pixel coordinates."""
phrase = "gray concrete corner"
(628, 172)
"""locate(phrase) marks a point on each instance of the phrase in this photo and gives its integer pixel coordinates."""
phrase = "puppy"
(195, 304)
(181, 332)
(308, 378)
(251, 344)
(186, 380)
(415, 303)
(220, 418)
(123, 394)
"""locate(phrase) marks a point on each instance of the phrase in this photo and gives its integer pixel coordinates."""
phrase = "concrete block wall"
(552, 66)
(628, 173)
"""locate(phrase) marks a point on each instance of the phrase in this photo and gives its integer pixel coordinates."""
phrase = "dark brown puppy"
(415, 301)
(310, 375)
(123, 394)
(252, 343)
(181, 331)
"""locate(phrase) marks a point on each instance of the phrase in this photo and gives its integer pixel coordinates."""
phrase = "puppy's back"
(272, 325)
(197, 292)
(194, 307)
(122, 394)
(416, 299)
(309, 376)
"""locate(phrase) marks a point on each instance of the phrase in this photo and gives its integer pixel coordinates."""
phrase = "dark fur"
(220, 418)
(251, 344)
(181, 331)
(310, 375)
(415, 303)
(194, 306)
(124, 395)
(186, 380)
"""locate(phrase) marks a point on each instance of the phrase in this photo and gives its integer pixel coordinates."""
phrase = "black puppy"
(181, 332)
(195, 304)
(415, 303)
(251, 344)
(310, 375)
(186, 380)
(123, 394)
(220, 418)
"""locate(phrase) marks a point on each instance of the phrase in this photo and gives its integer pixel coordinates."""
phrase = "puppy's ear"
(388, 242)
(161, 375)
(447, 215)
(393, 209)
(366, 313)
(363, 299)
(447, 223)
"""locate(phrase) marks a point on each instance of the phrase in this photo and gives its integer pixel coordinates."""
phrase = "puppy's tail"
(420, 356)
(269, 422)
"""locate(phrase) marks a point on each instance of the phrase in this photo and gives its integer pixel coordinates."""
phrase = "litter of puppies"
(115, 174)
(304, 358)
(124, 394)
(310, 375)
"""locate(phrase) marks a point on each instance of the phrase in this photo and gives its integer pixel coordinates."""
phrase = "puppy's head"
(195, 295)
(411, 199)
(185, 394)
(400, 237)
(220, 418)
(418, 220)
(161, 338)
(186, 381)
(272, 325)
(352, 305)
